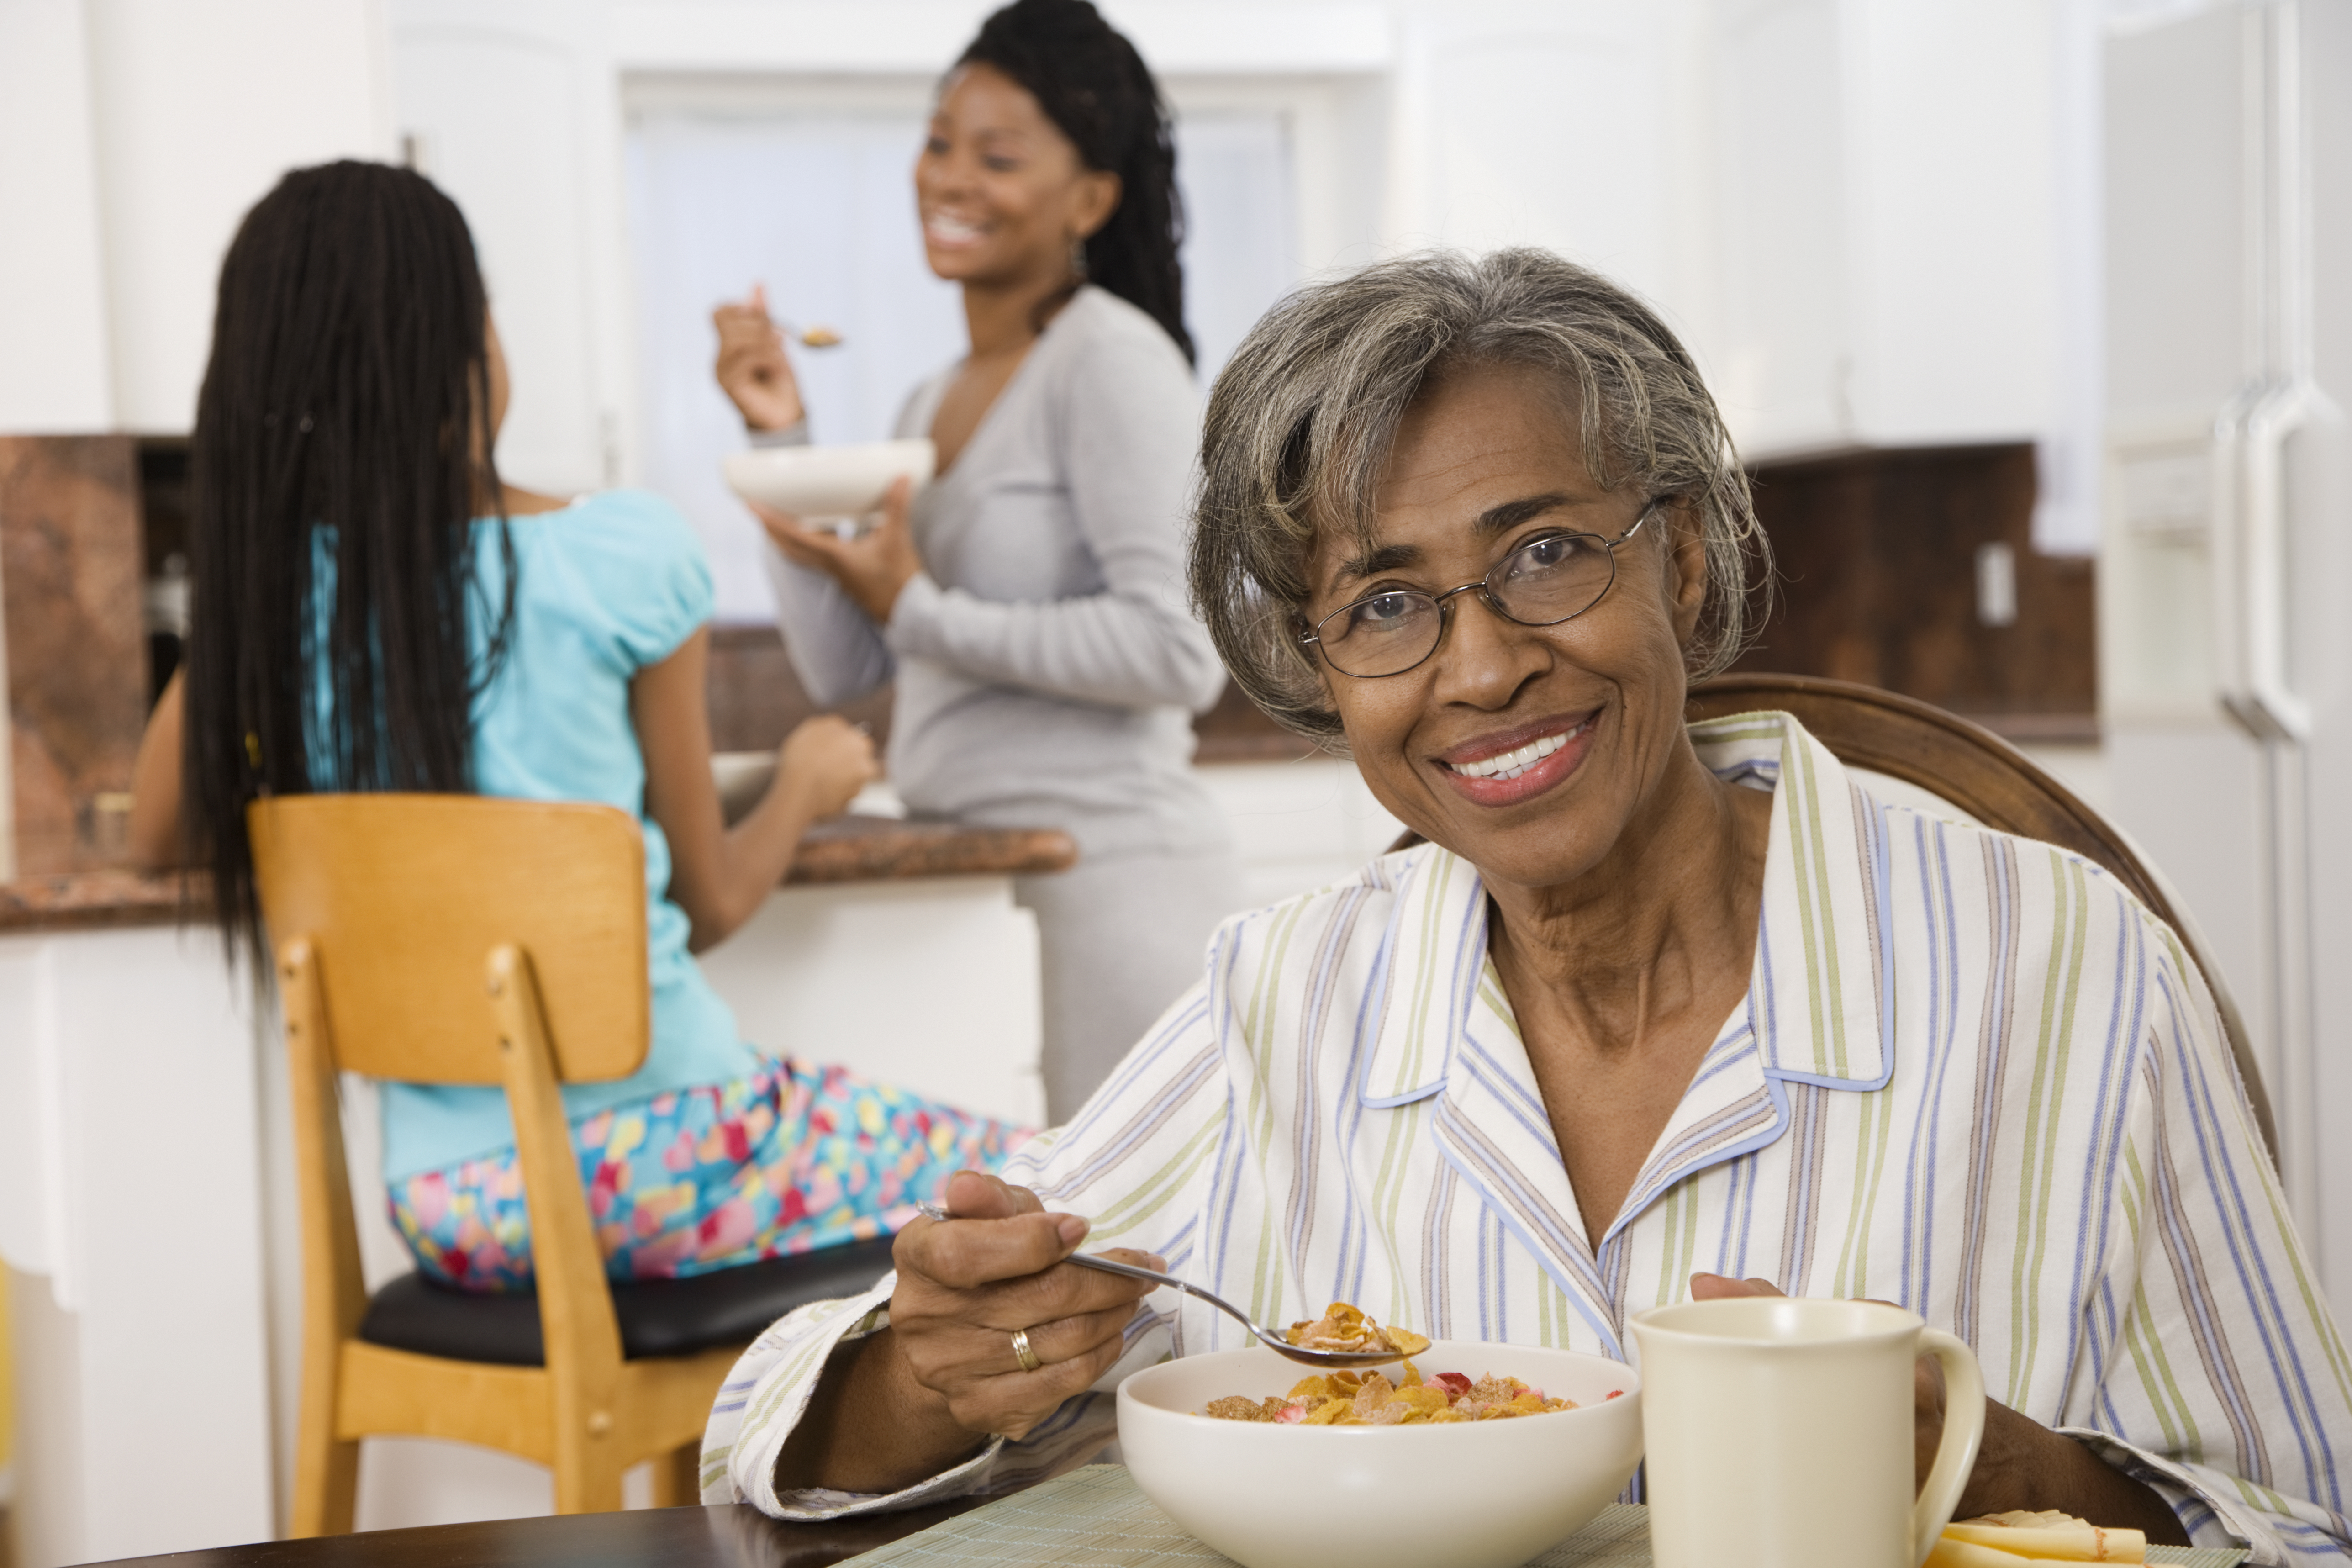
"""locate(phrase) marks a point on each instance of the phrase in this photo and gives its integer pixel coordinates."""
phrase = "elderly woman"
(1657, 1011)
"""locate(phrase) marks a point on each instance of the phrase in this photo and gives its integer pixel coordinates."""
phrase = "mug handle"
(1955, 1456)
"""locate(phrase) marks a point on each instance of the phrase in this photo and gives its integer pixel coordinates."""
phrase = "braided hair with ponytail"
(343, 442)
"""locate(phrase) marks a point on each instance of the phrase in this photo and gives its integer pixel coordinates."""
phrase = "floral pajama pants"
(797, 1156)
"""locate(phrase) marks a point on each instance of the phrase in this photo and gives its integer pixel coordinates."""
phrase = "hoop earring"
(1079, 258)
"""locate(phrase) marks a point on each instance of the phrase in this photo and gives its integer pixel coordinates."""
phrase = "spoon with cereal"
(1343, 1337)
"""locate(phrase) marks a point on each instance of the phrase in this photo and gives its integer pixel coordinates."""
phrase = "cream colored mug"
(1779, 1433)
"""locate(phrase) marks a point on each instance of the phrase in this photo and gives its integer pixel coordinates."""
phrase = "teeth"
(1511, 764)
(954, 231)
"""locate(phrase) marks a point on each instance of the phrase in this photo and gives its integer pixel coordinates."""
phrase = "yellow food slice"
(2070, 1542)
(1951, 1553)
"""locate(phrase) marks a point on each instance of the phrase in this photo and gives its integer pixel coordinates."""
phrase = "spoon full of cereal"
(1343, 1337)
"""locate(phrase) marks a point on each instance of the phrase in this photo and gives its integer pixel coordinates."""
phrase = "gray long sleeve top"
(1046, 661)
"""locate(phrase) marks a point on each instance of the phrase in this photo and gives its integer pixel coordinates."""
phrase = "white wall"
(134, 134)
(54, 368)
(199, 110)
(1855, 209)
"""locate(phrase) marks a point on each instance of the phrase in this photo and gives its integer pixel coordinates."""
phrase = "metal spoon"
(816, 337)
(1271, 1338)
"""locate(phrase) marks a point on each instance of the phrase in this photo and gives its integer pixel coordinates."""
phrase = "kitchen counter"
(844, 849)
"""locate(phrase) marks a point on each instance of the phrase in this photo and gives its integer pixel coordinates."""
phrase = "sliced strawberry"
(1454, 1384)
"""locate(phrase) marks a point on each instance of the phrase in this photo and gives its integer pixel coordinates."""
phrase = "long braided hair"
(343, 436)
(1096, 89)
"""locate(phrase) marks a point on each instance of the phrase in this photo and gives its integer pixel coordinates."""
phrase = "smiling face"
(1002, 192)
(1533, 752)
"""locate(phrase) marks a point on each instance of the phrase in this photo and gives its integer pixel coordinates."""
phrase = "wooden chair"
(391, 916)
(1970, 771)
(1968, 768)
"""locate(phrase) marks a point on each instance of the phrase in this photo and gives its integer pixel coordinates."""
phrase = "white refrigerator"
(2225, 573)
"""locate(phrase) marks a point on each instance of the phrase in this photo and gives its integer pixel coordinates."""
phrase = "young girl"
(375, 610)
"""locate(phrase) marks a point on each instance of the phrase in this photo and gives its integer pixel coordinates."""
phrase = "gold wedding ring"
(1022, 1353)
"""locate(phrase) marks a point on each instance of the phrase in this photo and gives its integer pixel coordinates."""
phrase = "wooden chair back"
(453, 938)
(1989, 781)
(404, 897)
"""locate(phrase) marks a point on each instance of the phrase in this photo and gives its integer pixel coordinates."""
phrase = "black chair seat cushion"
(659, 1317)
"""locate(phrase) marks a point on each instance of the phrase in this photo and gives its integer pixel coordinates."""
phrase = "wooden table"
(730, 1536)
(1097, 1518)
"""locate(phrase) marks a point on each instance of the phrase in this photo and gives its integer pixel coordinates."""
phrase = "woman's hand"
(872, 568)
(827, 759)
(967, 1284)
(926, 1391)
(752, 368)
(719, 875)
(2022, 1464)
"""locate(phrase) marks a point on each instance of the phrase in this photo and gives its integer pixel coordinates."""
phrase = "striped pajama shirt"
(1972, 1075)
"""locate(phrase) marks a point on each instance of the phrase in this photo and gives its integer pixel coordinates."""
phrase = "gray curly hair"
(1301, 421)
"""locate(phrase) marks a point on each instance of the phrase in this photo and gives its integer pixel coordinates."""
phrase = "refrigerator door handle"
(2249, 566)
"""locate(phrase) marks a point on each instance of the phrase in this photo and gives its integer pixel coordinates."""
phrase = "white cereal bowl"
(829, 481)
(1486, 1494)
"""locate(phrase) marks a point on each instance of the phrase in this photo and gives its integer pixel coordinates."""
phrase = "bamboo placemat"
(1095, 1518)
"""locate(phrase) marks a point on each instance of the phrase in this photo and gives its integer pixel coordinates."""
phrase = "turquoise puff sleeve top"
(604, 587)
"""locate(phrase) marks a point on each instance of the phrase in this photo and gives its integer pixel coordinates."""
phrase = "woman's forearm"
(2024, 1465)
(837, 653)
(840, 1444)
(1124, 650)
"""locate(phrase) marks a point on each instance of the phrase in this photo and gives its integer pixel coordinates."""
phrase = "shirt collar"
(1822, 995)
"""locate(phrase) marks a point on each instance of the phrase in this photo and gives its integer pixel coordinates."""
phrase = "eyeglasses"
(1551, 578)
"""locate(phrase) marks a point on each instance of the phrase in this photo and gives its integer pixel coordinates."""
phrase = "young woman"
(1030, 604)
(375, 610)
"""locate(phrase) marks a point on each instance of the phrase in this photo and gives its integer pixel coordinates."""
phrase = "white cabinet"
(1560, 125)
(135, 135)
(513, 107)
(1893, 263)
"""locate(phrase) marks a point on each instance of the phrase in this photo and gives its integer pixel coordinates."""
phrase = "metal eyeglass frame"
(1483, 586)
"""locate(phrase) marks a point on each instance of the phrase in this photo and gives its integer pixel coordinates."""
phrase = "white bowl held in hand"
(829, 481)
(1484, 1494)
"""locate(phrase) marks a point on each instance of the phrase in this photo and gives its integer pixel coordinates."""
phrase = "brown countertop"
(845, 849)
(883, 848)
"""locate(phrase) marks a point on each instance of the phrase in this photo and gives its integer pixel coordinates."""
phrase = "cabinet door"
(512, 107)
